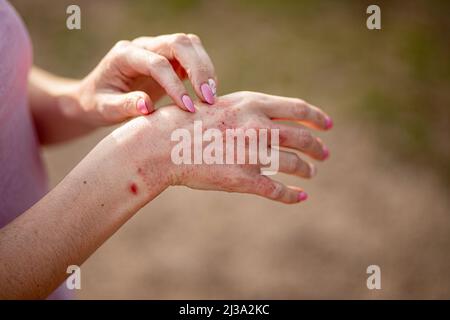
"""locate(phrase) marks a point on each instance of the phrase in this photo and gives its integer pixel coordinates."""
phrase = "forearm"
(54, 104)
(72, 221)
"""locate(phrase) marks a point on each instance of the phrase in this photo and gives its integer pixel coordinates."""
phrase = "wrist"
(69, 95)
(143, 157)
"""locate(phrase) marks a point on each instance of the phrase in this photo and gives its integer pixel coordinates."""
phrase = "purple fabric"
(23, 179)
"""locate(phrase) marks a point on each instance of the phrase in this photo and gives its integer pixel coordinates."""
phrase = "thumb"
(133, 104)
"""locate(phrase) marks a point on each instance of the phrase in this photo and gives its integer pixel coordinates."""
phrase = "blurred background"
(382, 198)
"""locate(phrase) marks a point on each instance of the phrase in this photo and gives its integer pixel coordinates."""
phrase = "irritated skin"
(132, 165)
(129, 168)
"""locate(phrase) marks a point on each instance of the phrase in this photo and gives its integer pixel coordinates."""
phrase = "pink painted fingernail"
(207, 93)
(328, 123)
(142, 106)
(326, 153)
(302, 196)
(187, 101)
(212, 85)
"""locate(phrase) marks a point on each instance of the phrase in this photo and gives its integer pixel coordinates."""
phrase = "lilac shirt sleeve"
(23, 179)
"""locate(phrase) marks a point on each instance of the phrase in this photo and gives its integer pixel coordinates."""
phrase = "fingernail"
(313, 170)
(302, 196)
(207, 93)
(328, 123)
(187, 101)
(142, 106)
(326, 153)
(212, 85)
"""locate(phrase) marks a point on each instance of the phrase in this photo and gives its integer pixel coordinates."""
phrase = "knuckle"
(253, 123)
(120, 48)
(300, 109)
(122, 43)
(245, 93)
(293, 164)
(260, 98)
(194, 38)
(128, 104)
(305, 139)
(180, 39)
(139, 40)
(255, 95)
(274, 191)
(247, 97)
(202, 70)
(234, 180)
(159, 62)
(173, 87)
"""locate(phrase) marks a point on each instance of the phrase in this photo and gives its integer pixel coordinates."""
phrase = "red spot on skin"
(134, 188)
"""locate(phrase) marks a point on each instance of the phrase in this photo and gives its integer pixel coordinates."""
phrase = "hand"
(133, 165)
(148, 143)
(134, 75)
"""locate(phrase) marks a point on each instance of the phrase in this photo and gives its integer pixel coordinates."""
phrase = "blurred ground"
(381, 199)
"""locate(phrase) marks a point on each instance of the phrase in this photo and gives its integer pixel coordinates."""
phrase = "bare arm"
(133, 165)
(70, 222)
(53, 103)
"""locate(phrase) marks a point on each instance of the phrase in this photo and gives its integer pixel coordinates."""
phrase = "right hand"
(148, 145)
(134, 75)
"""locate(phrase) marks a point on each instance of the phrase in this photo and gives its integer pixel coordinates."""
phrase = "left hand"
(150, 160)
(135, 74)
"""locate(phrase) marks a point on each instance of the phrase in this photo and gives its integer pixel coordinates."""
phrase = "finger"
(117, 107)
(273, 190)
(293, 109)
(302, 140)
(189, 52)
(291, 163)
(212, 78)
(134, 61)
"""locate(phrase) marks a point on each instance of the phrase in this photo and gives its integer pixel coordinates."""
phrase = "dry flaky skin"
(149, 141)
(364, 207)
(202, 244)
(128, 169)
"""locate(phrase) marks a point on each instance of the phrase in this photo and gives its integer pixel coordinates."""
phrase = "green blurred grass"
(395, 80)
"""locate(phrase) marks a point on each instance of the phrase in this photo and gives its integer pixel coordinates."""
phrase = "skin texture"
(249, 110)
(132, 165)
(128, 169)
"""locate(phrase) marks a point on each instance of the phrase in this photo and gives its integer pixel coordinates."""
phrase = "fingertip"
(142, 106)
(213, 86)
(328, 123)
(302, 196)
(188, 103)
(207, 93)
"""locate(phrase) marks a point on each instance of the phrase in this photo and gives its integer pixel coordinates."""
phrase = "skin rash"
(129, 168)
(132, 165)
(229, 146)
(133, 188)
